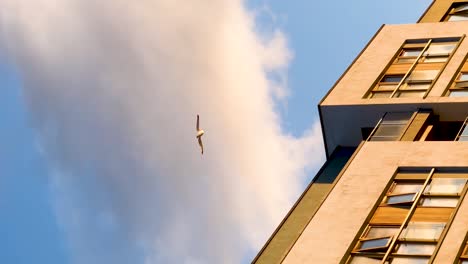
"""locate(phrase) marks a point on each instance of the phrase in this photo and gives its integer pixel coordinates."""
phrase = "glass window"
(409, 55)
(407, 187)
(415, 248)
(391, 127)
(464, 134)
(439, 202)
(465, 131)
(410, 94)
(417, 86)
(423, 75)
(445, 186)
(461, 8)
(414, 82)
(401, 198)
(365, 260)
(389, 131)
(463, 76)
(411, 52)
(381, 95)
(461, 93)
(461, 84)
(440, 49)
(374, 244)
(397, 117)
(436, 59)
(403, 260)
(386, 87)
(381, 231)
(422, 230)
(459, 13)
(458, 18)
(392, 78)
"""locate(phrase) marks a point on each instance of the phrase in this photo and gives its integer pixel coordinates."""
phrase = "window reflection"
(402, 260)
(422, 230)
(439, 202)
(445, 186)
(416, 249)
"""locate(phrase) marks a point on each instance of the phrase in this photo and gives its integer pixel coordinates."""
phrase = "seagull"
(200, 133)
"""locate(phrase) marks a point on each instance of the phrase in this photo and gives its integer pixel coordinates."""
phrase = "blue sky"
(324, 36)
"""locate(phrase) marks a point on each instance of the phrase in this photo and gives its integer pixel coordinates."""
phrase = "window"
(422, 231)
(415, 249)
(409, 221)
(402, 260)
(445, 186)
(459, 87)
(391, 127)
(415, 69)
(409, 55)
(458, 12)
(406, 187)
(401, 198)
(438, 52)
(439, 201)
(374, 244)
(381, 231)
(388, 84)
(365, 260)
(463, 133)
(417, 83)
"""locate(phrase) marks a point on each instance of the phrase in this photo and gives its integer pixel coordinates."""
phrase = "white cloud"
(114, 87)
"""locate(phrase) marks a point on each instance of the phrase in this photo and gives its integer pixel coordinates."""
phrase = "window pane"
(461, 8)
(463, 76)
(436, 58)
(409, 187)
(421, 249)
(465, 131)
(423, 75)
(385, 87)
(406, 60)
(458, 18)
(439, 49)
(418, 86)
(381, 231)
(439, 202)
(365, 260)
(401, 198)
(461, 93)
(461, 84)
(381, 95)
(403, 260)
(463, 138)
(392, 126)
(376, 244)
(407, 94)
(397, 117)
(410, 52)
(422, 230)
(389, 130)
(392, 78)
(446, 186)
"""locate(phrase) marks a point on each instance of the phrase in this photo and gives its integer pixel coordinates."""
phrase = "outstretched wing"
(198, 123)
(201, 144)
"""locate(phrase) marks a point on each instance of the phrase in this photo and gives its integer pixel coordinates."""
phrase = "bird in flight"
(200, 133)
